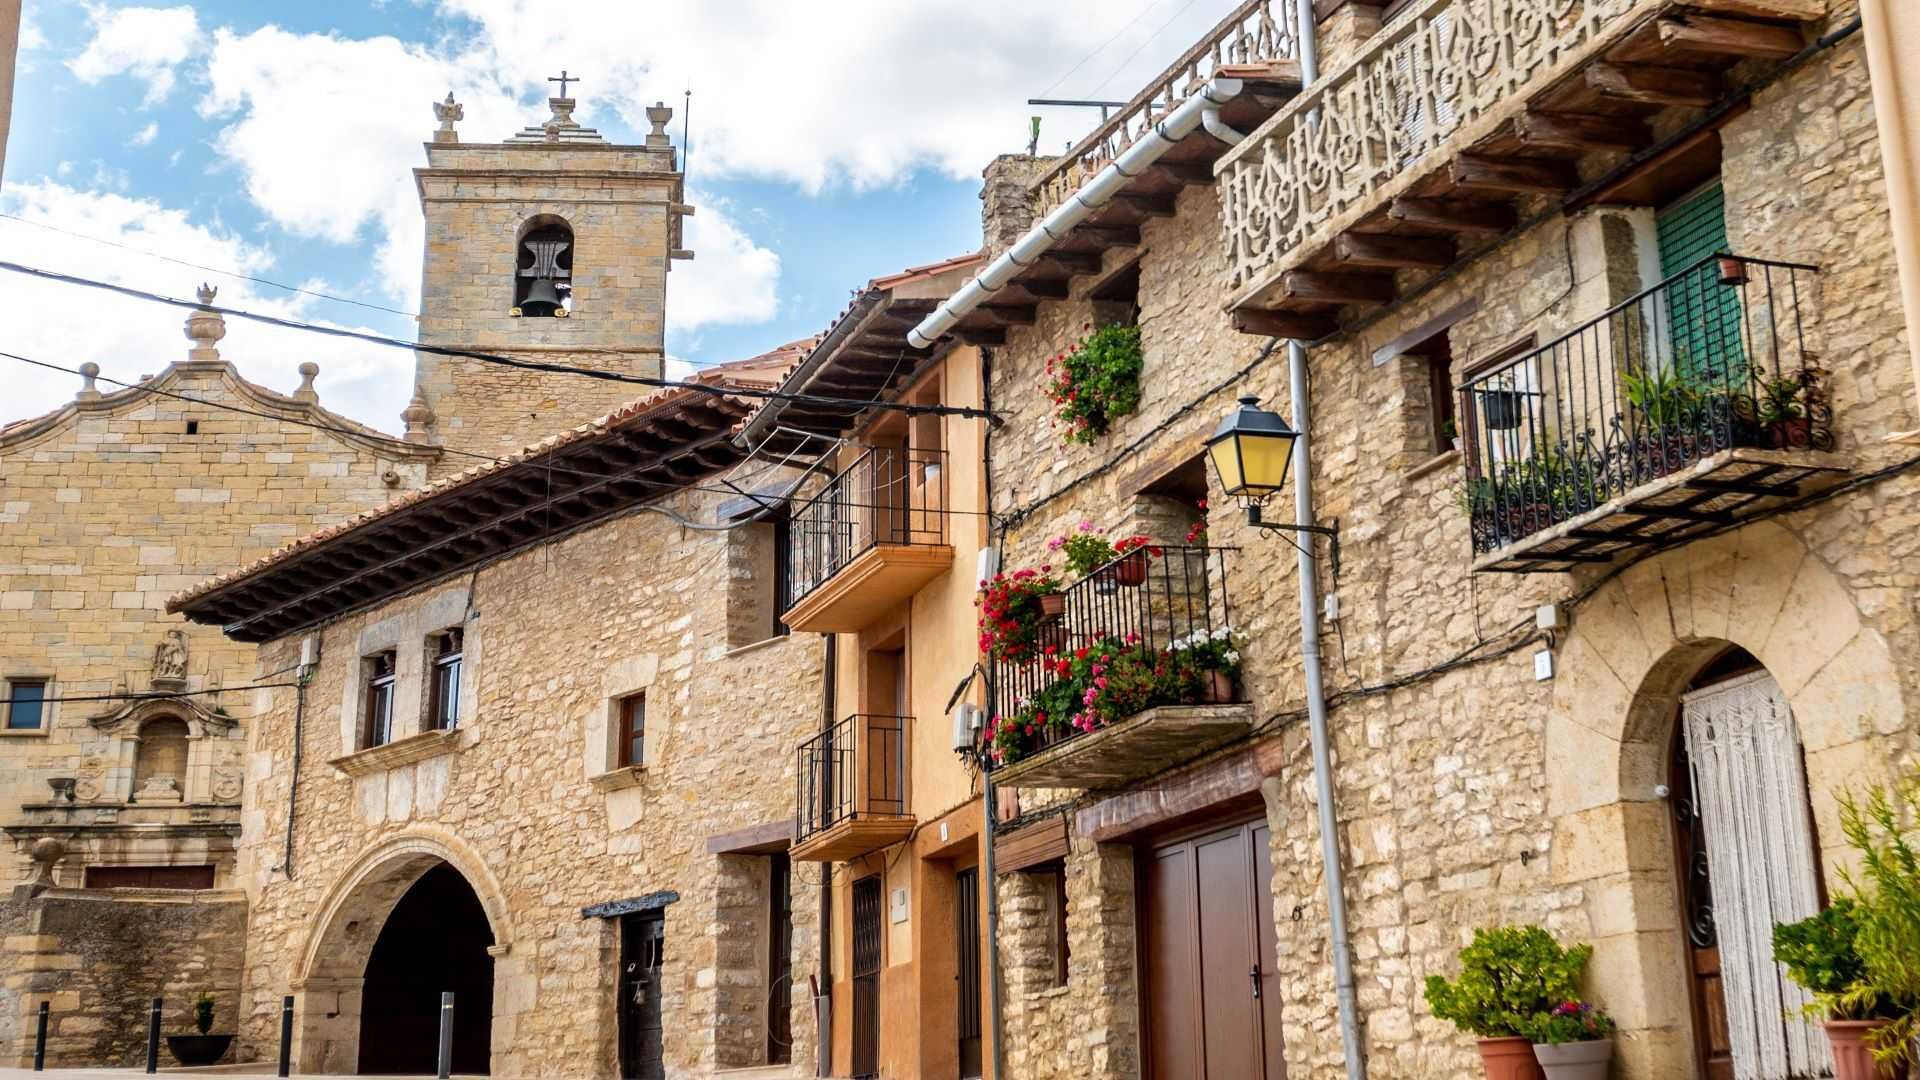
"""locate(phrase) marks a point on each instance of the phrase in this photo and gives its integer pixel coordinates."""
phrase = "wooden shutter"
(1703, 314)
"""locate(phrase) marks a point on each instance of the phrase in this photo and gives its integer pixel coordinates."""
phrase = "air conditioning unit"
(989, 563)
(966, 724)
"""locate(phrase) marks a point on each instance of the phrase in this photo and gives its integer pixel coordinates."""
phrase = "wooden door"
(966, 889)
(867, 929)
(642, 951)
(1712, 1042)
(1207, 958)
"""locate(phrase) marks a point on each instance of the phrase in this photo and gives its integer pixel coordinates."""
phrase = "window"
(1116, 297)
(759, 558)
(632, 749)
(543, 276)
(193, 427)
(377, 724)
(27, 705)
(1056, 876)
(1436, 354)
(443, 699)
(149, 877)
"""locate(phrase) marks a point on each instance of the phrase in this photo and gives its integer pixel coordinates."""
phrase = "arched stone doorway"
(418, 915)
(434, 941)
(1636, 648)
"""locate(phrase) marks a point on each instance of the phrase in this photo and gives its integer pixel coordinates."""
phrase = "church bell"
(542, 299)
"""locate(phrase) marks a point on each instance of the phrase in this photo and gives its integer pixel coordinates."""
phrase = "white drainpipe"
(1200, 109)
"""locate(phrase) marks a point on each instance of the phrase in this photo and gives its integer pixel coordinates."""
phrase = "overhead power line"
(503, 361)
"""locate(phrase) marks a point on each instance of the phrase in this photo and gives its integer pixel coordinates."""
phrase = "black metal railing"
(889, 495)
(1145, 602)
(854, 769)
(1710, 359)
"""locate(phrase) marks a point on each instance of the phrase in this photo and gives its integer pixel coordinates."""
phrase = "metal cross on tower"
(563, 79)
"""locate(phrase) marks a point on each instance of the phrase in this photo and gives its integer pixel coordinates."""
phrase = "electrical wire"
(372, 436)
(713, 389)
(149, 695)
(1098, 49)
(1151, 39)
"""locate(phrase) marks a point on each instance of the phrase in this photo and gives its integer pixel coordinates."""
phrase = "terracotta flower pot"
(1510, 1059)
(1852, 1060)
(1575, 1060)
(1793, 433)
(1218, 689)
(1053, 605)
(1131, 571)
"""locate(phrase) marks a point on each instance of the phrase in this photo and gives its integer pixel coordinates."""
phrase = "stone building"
(1584, 554)
(553, 730)
(113, 502)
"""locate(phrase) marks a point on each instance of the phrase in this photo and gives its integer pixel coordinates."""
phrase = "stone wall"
(526, 804)
(111, 504)
(101, 957)
(1476, 796)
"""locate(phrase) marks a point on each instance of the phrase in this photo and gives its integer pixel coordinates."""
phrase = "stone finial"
(447, 112)
(658, 114)
(205, 327)
(45, 852)
(419, 417)
(306, 392)
(89, 371)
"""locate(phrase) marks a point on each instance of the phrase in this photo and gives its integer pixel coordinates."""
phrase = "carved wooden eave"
(634, 456)
(357, 436)
(1519, 100)
(127, 717)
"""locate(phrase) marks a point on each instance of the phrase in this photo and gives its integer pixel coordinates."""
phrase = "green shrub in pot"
(1508, 976)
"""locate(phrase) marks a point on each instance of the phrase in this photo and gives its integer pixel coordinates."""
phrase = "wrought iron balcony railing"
(1255, 31)
(888, 496)
(1709, 360)
(853, 771)
(1142, 609)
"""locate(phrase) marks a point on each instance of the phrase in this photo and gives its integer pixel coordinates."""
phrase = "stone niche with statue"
(155, 785)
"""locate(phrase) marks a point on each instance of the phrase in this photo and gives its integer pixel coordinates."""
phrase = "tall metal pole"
(1332, 869)
(153, 1037)
(286, 1035)
(40, 1040)
(446, 1035)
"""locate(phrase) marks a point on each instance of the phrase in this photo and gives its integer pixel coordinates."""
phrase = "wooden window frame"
(14, 686)
(444, 672)
(624, 751)
(379, 689)
(1062, 949)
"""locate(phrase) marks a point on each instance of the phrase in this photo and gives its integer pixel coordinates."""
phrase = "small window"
(443, 699)
(1437, 354)
(1052, 877)
(193, 427)
(27, 704)
(377, 725)
(1116, 297)
(632, 749)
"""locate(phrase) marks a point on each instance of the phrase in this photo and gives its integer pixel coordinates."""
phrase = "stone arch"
(160, 758)
(543, 249)
(329, 982)
(1634, 646)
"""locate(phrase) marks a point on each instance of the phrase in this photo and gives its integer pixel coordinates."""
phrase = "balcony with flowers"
(1122, 673)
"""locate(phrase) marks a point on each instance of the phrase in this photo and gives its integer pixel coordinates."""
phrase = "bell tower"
(553, 246)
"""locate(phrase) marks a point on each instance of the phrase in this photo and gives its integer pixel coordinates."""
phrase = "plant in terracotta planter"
(1010, 614)
(1572, 1042)
(1859, 957)
(1509, 976)
(1131, 556)
(1082, 550)
(203, 1048)
(1096, 382)
(1215, 655)
(1783, 412)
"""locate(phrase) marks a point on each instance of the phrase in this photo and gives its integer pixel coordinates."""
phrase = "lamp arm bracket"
(1331, 532)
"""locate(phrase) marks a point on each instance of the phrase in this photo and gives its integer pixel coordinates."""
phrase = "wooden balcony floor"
(853, 837)
(1133, 749)
(1720, 490)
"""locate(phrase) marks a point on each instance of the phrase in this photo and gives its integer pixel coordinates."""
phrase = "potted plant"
(1783, 413)
(1574, 1041)
(1130, 564)
(203, 1048)
(1096, 382)
(1450, 434)
(1508, 976)
(1857, 956)
(1083, 549)
(1214, 656)
(1010, 614)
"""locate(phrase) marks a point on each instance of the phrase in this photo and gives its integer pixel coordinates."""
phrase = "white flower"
(1221, 634)
(1233, 656)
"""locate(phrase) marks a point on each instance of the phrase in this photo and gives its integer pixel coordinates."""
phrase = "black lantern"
(1251, 452)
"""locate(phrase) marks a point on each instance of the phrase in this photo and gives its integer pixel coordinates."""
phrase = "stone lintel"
(653, 901)
(1204, 787)
(399, 752)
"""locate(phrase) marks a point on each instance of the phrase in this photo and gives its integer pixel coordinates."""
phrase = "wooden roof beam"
(1485, 219)
(1377, 251)
(1580, 133)
(1283, 324)
(1644, 84)
(1337, 288)
(1144, 205)
(1729, 37)
(1516, 176)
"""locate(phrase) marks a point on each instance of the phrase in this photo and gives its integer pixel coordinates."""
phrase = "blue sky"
(831, 142)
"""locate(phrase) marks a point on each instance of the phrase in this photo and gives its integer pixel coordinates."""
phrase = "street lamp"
(1251, 453)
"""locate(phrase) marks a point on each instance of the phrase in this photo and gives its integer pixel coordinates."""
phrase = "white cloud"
(129, 337)
(141, 42)
(31, 37)
(146, 135)
(729, 280)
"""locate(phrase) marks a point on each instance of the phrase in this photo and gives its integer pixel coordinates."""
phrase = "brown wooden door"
(1207, 954)
(866, 976)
